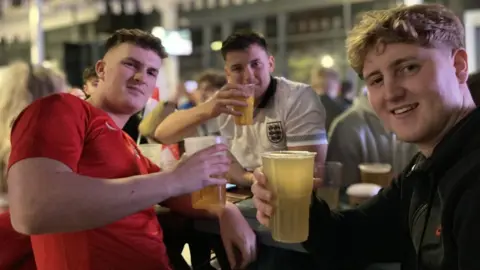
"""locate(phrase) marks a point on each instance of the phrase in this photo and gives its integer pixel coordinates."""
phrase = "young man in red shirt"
(83, 191)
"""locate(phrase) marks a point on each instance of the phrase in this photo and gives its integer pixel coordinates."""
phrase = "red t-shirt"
(67, 129)
(15, 249)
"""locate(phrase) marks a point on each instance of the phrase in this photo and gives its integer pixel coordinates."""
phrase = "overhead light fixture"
(216, 46)
(327, 61)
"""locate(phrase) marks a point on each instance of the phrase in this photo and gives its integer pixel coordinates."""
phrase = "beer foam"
(375, 167)
(363, 190)
(289, 154)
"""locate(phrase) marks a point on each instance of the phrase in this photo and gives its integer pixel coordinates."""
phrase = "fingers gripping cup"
(247, 112)
(211, 196)
(290, 177)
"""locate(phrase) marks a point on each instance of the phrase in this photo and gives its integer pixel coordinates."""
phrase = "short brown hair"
(241, 40)
(89, 73)
(216, 78)
(137, 37)
(426, 25)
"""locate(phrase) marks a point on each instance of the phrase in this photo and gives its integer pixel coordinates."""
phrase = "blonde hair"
(20, 85)
(426, 25)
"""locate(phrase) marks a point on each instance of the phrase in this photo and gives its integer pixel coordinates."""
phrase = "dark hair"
(474, 86)
(216, 78)
(137, 37)
(89, 73)
(241, 40)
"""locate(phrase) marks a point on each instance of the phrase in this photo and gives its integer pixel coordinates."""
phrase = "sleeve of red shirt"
(53, 127)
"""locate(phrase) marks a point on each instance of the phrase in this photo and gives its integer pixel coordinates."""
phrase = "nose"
(394, 91)
(138, 77)
(248, 75)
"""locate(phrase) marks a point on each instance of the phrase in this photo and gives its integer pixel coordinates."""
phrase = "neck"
(119, 118)
(427, 148)
(259, 99)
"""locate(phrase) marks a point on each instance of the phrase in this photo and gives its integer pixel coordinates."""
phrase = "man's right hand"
(262, 197)
(197, 171)
(223, 100)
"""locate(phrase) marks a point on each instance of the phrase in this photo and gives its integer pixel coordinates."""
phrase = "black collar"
(457, 143)
(269, 94)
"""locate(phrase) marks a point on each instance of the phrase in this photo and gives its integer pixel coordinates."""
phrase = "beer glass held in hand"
(212, 197)
(376, 173)
(247, 112)
(290, 177)
(330, 174)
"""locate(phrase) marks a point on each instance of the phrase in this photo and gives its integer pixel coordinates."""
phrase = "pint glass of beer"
(247, 112)
(290, 177)
(361, 192)
(211, 197)
(376, 173)
(330, 175)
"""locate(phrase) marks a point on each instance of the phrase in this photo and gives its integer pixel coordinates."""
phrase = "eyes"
(254, 65)
(138, 66)
(400, 72)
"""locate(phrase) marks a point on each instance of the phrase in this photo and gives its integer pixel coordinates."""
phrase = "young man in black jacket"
(415, 67)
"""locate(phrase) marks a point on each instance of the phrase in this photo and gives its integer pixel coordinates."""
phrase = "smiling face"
(127, 77)
(250, 66)
(416, 91)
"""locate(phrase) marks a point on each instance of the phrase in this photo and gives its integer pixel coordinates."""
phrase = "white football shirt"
(292, 116)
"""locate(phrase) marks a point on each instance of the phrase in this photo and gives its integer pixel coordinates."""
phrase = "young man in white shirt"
(288, 115)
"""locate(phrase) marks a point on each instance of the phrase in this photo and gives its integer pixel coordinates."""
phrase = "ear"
(460, 62)
(271, 63)
(100, 69)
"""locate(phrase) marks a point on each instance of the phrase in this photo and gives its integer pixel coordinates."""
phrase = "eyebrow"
(140, 63)
(253, 60)
(395, 63)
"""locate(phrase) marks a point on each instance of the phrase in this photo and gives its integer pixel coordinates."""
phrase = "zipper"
(416, 215)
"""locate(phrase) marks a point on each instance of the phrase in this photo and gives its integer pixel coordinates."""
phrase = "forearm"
(149, 124)
(66, 202)
(237, 174)
(180, 124)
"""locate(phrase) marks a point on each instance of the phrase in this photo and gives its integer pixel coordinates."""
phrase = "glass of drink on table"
(290, 177)
(376, 173)
(247, 112)
(211, 197)
(330, 175)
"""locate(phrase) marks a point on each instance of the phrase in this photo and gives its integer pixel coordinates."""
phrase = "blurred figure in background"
(326, 84)
(358, 136)
(347, 94)
(31, 84)
(90, 80)
(209, 82)
(78, 93)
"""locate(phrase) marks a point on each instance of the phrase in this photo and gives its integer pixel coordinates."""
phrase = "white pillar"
(226, 29)
(281, 56)
(37, 40)
(206, 50)
(171, 64)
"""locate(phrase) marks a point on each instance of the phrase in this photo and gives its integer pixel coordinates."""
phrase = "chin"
(408, 136)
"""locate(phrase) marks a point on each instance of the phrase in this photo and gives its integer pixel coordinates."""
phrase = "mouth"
(133, 88)
(402, 110)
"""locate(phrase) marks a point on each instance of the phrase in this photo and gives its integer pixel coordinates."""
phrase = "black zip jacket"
(428, 219)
